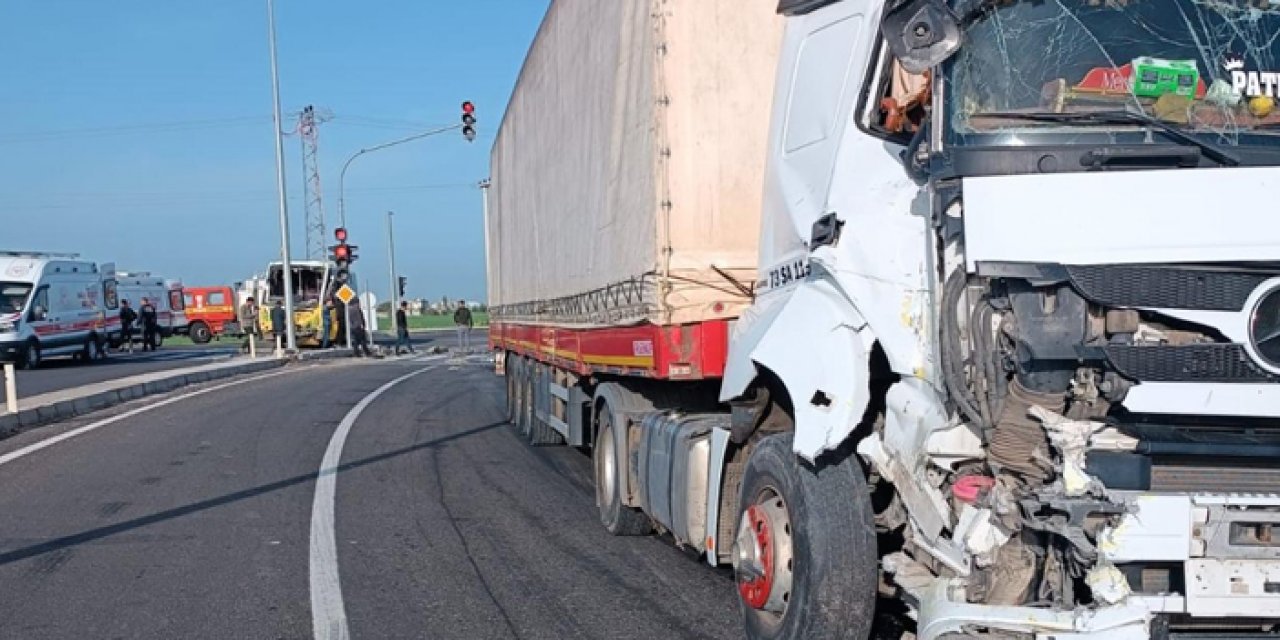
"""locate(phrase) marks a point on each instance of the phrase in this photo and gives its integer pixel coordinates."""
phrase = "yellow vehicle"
(312, 285)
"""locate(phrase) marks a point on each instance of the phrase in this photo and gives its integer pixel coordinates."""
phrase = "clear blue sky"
(139, 131)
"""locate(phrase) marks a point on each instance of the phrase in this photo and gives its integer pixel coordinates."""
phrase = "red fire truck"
(211, 312)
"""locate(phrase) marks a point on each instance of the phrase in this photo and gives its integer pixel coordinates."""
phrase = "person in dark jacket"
(127, 317)
(359, 336)
(150, 324)
(462, 320)
(402, 329)
(279, 322)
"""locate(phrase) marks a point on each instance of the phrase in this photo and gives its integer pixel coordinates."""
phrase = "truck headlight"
(7, 327)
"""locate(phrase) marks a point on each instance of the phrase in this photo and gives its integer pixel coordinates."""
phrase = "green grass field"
(480, 318)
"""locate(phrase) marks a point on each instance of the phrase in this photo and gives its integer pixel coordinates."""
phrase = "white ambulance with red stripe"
(163, 294)
(52, 304)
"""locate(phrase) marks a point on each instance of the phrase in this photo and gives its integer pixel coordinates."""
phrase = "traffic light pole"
(395, 284)
(342, 177)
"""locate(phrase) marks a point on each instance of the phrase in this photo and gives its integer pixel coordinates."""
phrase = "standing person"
(326, 323)
(127, 317)
(402, 329)
(278, 322)
(150, 324)
(249, 322)
(359, 337)
(462, 320)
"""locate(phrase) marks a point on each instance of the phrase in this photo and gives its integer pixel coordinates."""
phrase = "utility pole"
(309, 120)
(395, 282)
(287, 262)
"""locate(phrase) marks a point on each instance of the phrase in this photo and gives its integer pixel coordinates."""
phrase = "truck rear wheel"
(610, 447)
(804, 559)
(200, 333)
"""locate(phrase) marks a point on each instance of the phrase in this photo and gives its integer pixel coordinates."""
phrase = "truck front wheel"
(805, 558)
(200, 333)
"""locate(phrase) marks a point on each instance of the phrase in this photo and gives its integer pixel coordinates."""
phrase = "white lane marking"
(328, 613)
(49, 442)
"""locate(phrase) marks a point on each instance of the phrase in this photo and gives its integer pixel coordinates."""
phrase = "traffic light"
(468, 121)
(343, 255)
(403, 282)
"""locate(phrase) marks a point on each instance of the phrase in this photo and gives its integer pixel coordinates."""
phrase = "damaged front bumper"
(1200, 561)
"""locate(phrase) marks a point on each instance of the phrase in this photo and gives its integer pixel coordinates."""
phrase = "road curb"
(63, 409)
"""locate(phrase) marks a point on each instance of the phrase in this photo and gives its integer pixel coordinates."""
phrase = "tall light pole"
(287, 266)
(395, 281)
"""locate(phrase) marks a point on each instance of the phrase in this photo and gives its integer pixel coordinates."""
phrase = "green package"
(1155, 77)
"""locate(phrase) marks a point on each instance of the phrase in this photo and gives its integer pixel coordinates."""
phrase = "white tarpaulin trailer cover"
(626, 176)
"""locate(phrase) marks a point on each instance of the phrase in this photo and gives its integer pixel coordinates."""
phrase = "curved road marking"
(328, 613)
(49, 442)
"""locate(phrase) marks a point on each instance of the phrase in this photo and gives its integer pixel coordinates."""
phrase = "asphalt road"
(195, 520)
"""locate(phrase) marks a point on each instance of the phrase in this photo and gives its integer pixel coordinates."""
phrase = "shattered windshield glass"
(1208, 67)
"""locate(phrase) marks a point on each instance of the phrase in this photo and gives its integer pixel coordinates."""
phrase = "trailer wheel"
(804, 559)
(610, 447)
(525, 416)
(200, 333)
(512, 373)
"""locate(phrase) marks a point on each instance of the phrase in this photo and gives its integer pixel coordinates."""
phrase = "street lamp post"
(342, 177)
(285, 258)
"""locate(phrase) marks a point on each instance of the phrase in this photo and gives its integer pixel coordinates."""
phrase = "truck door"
(825, 54)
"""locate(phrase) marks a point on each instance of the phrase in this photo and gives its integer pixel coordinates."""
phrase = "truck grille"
(1216, 478)
(1167, 287)
(1187, 363)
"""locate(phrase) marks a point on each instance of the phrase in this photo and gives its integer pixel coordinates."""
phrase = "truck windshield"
(1209, 67)
(13, 296)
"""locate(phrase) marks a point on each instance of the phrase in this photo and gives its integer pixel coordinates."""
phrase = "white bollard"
(253, 345)
(11, 387)
(279, 348)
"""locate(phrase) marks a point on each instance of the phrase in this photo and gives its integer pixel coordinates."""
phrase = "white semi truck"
(995, 350)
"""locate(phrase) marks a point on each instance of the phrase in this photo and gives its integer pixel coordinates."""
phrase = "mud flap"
(817, 346)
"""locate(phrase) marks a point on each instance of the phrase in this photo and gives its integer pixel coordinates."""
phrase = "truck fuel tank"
(672, 462)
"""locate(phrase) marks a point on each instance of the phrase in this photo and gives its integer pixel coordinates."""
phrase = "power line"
(130, 129)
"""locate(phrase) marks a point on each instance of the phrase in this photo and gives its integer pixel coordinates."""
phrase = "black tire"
(610, 447)
(541, 433)
(511, 373)
(31, 355)
(200, 333)
(834, 568)
(87, 351)
(524, 420)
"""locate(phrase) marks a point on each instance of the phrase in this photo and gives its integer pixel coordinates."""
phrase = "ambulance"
(164, 294)
(53, 304)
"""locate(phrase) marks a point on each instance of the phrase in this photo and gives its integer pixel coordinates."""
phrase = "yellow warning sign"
(345, 294)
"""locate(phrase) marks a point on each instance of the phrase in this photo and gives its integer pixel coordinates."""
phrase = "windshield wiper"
(1210, 151)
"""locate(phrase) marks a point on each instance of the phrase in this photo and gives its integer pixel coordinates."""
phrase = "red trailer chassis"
(680, 352)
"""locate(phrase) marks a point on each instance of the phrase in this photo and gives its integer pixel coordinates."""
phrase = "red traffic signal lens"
(468, 108)
(341, 252)
(340, 234)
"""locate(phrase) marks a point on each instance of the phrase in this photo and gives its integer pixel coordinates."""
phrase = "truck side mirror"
(921, 33)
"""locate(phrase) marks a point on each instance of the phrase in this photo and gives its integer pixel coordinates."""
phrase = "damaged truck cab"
(1019, 300)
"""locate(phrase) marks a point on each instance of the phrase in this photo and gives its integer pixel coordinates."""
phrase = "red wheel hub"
(755, 590)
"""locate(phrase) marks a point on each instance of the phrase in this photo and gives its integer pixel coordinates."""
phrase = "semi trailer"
(943, 319)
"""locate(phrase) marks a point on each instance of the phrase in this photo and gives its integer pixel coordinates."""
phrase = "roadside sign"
(345, 294)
